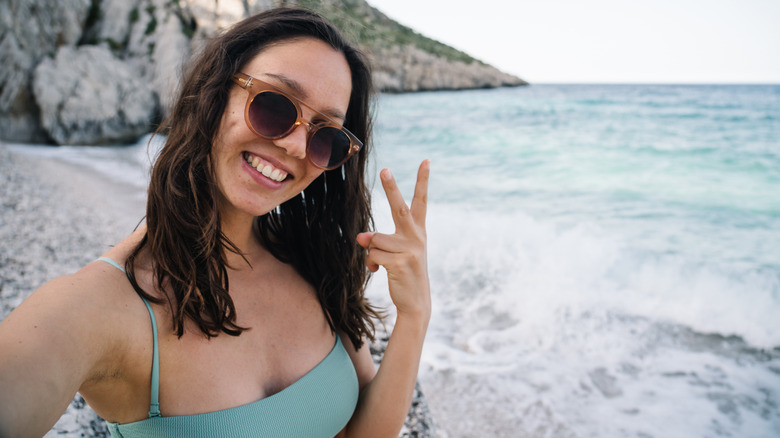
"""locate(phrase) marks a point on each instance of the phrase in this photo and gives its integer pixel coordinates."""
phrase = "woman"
(251, 266)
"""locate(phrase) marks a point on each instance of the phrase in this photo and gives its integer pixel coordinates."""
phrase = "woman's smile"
(265, 168)
(255, 174)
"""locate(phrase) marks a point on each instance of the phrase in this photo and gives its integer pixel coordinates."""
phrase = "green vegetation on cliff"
(373, 29)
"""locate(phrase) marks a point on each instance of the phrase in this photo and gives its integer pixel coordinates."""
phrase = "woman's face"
(306, 68)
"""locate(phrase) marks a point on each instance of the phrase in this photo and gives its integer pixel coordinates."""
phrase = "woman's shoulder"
(95, 310)
(74, 329)
(103, 281)
(119, 253)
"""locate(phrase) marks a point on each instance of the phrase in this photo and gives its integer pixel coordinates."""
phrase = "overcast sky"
(607, 41)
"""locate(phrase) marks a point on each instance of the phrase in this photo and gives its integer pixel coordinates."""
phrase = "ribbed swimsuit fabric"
(319, 404)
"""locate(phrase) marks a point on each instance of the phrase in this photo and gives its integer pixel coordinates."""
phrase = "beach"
(603, 259)
(56, 218)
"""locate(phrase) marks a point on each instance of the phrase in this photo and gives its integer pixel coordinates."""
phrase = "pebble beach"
(51, 224)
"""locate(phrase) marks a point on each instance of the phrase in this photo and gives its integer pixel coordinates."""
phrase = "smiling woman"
(248, 276)
(321, 73)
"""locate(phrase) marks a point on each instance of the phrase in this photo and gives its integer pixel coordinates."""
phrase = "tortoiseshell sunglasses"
(272, 114)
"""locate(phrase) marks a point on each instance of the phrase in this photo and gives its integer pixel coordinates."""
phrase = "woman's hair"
(315, 231)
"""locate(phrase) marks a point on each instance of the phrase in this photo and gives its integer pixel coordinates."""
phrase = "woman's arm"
(52, 343)
(384, 402)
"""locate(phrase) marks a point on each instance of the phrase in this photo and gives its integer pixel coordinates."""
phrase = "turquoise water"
(615, 244)
(604, 258)
(680, 157)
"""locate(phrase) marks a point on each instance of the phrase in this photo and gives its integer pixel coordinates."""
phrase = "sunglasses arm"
(243, 81)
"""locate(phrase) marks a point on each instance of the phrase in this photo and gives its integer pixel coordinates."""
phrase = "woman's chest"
(287, 336)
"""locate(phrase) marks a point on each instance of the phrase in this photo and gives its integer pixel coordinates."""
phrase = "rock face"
(87, 96)
(408, 68)
(30, 31)
(106, 71)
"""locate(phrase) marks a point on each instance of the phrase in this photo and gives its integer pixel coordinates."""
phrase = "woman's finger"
(420, 200)
(400, 211)
(364, 239)
(376, 257)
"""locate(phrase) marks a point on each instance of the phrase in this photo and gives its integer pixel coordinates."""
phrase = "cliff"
(403, 59)
(105, 71)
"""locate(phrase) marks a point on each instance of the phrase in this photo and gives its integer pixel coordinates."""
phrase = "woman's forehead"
(309, 68)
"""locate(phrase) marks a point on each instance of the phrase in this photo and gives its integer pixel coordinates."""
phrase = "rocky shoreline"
(94, 72)
(57, 217)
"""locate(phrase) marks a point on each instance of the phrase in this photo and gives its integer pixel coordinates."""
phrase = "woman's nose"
(295, 142)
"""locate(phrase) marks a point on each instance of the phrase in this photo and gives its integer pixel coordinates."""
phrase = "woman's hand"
(385, 401)
(403, 254)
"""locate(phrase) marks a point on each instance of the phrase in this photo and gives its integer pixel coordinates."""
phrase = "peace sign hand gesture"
(385, 401)
(403, 254)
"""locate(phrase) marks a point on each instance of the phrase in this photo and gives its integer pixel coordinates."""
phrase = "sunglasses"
(272, 114)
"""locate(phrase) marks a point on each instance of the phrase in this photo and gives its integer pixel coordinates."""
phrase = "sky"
(607, 41)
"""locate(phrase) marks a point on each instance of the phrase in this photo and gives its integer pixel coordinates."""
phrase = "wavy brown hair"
(315, 231)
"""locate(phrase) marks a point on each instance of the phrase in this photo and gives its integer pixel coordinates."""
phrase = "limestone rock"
(158, 44)
(151, 36)
(402, 69)
(212, 16)
(29, 31)
(87, 96)
(18, 111)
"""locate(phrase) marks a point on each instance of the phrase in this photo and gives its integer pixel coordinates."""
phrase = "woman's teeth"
(267, 170)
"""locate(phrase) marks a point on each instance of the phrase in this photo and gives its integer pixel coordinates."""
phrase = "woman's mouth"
(264, 168)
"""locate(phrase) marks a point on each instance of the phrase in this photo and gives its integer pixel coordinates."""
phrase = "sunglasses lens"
(272, 114)
(328, 147)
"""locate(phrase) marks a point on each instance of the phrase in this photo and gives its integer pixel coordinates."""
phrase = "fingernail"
(387, 175)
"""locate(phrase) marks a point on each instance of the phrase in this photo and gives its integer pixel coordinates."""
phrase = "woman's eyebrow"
(290, 83)
(296, 87)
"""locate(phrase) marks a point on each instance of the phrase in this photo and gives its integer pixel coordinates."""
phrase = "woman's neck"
(239, 229)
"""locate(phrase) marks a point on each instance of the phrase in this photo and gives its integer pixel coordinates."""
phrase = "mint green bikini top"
(319, 404)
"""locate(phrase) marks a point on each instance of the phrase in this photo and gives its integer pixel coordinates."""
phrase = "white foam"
(585, 334)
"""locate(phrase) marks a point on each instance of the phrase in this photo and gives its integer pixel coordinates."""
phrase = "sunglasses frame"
(254, 87)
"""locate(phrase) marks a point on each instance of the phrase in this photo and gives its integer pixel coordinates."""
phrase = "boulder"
(113, 21)
(18, 112)
(158, 43)
(29, 31)
(87, 96)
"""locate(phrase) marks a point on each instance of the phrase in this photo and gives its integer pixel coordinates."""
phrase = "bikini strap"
(112, 263)
(154, 405)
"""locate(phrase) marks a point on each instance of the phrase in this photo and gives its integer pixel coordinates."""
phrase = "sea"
(604, 259)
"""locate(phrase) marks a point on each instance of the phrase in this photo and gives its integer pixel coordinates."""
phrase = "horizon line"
(647, 83)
